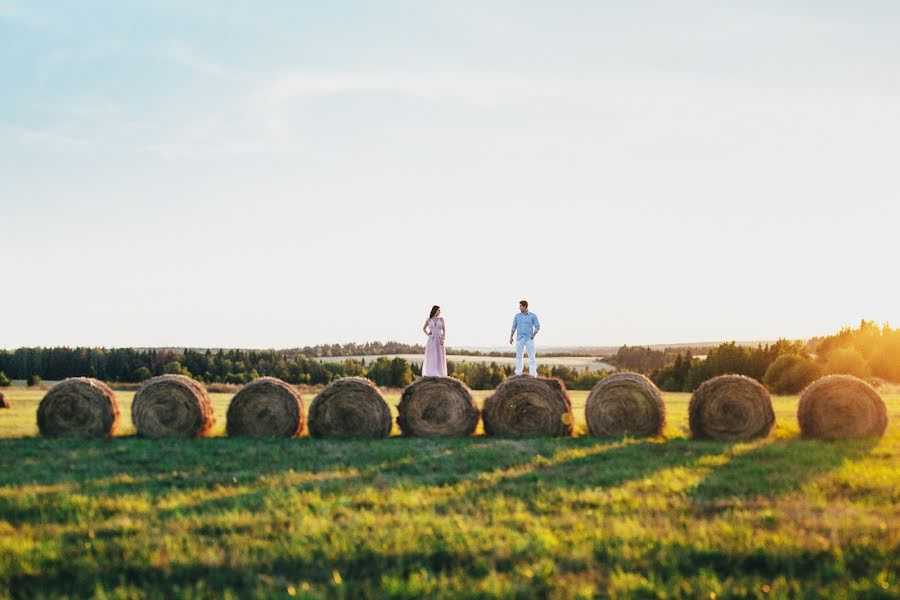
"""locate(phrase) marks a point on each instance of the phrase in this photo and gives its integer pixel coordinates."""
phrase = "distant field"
(578, 362)
(483, 517)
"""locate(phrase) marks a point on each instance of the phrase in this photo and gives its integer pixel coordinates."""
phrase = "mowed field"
(576, 362)
(406, 518)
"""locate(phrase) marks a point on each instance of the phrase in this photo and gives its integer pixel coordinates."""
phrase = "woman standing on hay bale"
(435, 364)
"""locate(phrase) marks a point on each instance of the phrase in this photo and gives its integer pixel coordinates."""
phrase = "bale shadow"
(482, 468)
(603, 467)
(42, 461)
(778, 467)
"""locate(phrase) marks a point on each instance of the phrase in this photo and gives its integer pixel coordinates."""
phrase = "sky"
(278, 174)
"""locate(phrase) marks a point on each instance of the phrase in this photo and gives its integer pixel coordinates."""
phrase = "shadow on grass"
(607, 467)
(778, 467)
(487, 468)
(155, 469)
(362, 570)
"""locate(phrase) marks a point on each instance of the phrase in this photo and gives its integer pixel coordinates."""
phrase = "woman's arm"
(444, 327)
(425, 328)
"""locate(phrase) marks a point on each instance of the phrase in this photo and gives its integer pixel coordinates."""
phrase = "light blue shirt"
(526, 324)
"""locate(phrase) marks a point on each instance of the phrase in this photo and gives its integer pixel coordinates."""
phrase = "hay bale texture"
(731, 407)
(172, 406)
(78, 406)
(437, 407)
(841, 406)
(351, 407)
(4, 403)
(625, 404)
(528, 406)
(266, 407)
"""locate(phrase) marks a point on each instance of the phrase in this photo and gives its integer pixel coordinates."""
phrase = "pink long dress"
(435, 364)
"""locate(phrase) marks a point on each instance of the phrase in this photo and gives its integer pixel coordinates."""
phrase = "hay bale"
(528, 406)
(4, 403)
(437, 407)
(172, 406)
(266, 407)
(841, 406)
(731, 407)
(350, 407)
(625, 404)
(78, 406)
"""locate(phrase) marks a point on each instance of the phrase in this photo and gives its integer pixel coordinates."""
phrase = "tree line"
(643, 359)
(786, 366)
(129, 365)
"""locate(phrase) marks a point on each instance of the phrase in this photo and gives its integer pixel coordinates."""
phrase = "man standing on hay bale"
(525, 326)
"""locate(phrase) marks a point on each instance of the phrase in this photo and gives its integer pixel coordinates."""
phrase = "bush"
(847, 361)
(142, 374)
(790, 373)
(175, 368)
(798, 377)
(34, 380)
(401, 373)
(4, 380)
(235, 378)
(884, 366)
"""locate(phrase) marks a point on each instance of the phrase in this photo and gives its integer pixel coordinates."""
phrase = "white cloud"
(51, 140)
(14, 13)
(185, 56)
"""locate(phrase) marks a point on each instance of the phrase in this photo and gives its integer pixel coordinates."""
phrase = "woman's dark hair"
(434, 310)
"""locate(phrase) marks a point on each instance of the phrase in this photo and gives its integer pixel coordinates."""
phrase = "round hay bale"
(266, 407)
(4, 403)
(625, 404)
(731, 407)
(172, 406)
(78, 406)
(437, 407)
(350, 408)
(841, 406)
(528, 406)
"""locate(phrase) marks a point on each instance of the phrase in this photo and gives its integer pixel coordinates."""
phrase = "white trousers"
(521, 344)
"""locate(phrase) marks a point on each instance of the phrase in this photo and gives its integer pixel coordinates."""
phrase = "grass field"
(576, 362)
(402, 518)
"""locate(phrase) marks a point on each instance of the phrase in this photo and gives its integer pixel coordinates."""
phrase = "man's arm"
(537, 325)
(513, 332)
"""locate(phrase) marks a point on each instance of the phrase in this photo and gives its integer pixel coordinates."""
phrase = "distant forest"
(127, 365)
(785, 366)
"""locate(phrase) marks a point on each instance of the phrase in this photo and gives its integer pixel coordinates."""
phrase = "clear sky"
(275, 174)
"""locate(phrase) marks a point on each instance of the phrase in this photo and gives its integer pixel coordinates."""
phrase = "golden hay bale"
(841, 406)
(625, 404)
(266, 407)
(437, 407)
(78, 406)
(4, 403)
(172, 406)
(528, 406)
(350, 407)
(731, 407)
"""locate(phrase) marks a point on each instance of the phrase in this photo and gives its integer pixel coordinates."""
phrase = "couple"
(525, 326)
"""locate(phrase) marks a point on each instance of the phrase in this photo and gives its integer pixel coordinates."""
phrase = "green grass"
(482, 517)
